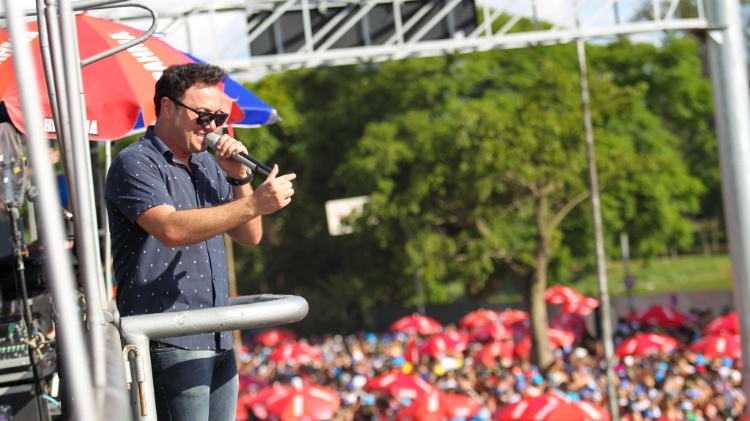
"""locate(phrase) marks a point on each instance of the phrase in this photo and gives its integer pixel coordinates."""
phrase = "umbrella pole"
(109, 276)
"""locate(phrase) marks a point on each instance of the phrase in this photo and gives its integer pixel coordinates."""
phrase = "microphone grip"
(256, 165)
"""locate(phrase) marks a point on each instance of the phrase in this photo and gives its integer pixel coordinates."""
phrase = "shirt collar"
(158, 144)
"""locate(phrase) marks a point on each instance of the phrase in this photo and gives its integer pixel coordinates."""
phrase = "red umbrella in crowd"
(299, 352)
(119, 89)
(300, 401)
(718, 345)
(499, 349)
(416, 323)
(441, 344)
(560, 294)
(411, 351)
(241, 413)
(582, 307)
(728, 323)
(253, 401)
(645, 344)
(275, 336)
(491, 332)
(437, 405)
(557, 339)
(248, 381)
(399, 385)
(477, 318)
(510, 317)
(456, 335)
(526, 406)
(658, 315)
(571, 322)
(576, 410)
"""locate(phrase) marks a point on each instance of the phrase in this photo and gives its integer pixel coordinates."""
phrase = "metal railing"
(243, 313)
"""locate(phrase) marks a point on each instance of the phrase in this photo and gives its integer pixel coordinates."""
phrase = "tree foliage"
(477, 173)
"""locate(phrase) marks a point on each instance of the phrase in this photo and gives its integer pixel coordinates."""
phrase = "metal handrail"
(247, 312)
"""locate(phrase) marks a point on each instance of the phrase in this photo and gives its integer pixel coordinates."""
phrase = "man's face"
(187, 135)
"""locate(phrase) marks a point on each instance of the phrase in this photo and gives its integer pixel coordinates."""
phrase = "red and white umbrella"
(302, 402)
(476, 318)
(660, 315)
(560, 294)
(416, 323)
(118, 90)
(492, 332)
(718, 345)
(436, 406)
(441, 344)
(275, 336)
(571, 322)
(253, 401)
(583, 307)
(250, 381)
(557, 339)
(510, 317)
(576, 410)
(411, 351)
(499, 349)
(300, 352)
(399, 385)
(728, 323)
(645, 344)
(526, 406)
(457, 335)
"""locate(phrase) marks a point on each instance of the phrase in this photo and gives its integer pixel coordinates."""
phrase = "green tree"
(476, 169)
(485, 181)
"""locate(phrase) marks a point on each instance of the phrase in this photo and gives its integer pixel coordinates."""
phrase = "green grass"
(688, 273)
(660, 275)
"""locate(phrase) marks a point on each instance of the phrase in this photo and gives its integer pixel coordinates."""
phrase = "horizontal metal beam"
(378, 53)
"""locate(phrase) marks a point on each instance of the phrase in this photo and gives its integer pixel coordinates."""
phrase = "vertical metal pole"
(417, 281)
(727, 59)
(108, 274)
(601, 261)
(59, 267)
(625, 245)
(87, 236)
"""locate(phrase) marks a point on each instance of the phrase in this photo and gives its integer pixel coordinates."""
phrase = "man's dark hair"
(178, 78)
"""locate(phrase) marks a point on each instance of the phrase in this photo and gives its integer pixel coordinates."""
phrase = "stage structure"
(282, 35)
(276, 36)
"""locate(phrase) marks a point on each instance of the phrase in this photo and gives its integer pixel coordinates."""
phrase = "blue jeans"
(194, 385)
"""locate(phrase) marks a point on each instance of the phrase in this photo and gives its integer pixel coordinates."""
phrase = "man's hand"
(226, 148)
(275, 193)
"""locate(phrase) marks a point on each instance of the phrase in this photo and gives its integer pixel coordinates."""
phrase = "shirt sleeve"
(134, 185)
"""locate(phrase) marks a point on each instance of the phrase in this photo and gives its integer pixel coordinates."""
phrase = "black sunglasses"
(204, 119)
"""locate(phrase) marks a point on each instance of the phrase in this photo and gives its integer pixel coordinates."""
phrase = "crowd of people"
(674, 385)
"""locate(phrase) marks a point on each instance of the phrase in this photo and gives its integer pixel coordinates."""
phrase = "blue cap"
(369, 400)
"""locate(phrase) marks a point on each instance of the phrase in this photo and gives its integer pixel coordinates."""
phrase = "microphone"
(212, 139)
(33, 193)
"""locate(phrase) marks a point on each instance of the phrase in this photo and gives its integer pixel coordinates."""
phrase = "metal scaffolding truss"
(281, 35)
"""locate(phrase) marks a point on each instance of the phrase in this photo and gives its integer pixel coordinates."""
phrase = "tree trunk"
(541, 355)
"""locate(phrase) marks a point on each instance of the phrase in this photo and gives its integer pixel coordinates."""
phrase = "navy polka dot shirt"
(151, 277)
